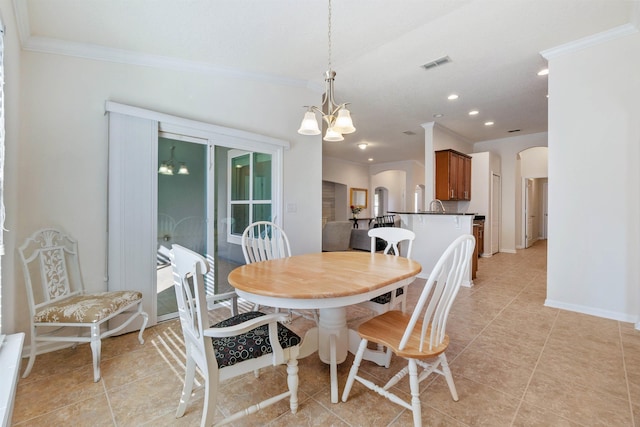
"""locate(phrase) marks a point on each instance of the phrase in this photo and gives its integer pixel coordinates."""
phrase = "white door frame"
(132, 222)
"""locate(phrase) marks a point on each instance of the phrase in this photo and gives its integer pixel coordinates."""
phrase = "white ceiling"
(378, 49)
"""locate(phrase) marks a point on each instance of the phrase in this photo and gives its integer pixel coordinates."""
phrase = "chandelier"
(168, 167)
(337, 116)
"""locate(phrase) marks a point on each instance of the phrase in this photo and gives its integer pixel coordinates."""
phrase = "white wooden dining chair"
(263, 241)
(60, 309)
(419, 337)
(236, 346)
(394, 238)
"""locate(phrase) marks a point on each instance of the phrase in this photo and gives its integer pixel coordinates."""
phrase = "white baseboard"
(607, 314)
(508, 251)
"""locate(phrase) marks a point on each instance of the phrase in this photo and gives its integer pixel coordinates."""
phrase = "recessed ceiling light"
(370, 159)
(362, 146)
(543, 72)
(438, 115)
(473, 112)
(488, 123)
(452, 97)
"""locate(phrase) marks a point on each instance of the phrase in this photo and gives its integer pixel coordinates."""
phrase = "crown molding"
(576, 45)
(102, 53)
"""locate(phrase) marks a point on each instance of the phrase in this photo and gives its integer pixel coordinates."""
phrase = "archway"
(531, 195)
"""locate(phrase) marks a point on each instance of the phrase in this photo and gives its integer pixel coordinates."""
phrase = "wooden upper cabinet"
(453, 175)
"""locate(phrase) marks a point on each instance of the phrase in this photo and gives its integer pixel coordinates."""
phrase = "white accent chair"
(265, 240)
(58, 302)
(214, 350)
(418, 337)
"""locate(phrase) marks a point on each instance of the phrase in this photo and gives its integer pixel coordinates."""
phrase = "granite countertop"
(434, 213)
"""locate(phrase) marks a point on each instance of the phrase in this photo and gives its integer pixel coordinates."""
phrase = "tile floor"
(515, 363)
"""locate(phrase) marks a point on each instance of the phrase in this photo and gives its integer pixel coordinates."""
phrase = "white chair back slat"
(189, 269)
(440, 292)
(264, 240)
(393, 236)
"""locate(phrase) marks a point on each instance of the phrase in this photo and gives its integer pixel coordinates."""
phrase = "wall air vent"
(409, 132)
(437, 62)
(514, 130)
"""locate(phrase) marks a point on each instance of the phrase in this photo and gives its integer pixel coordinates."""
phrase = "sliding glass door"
(182, 208)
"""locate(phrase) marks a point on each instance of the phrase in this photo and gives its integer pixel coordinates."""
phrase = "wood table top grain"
(323, 275)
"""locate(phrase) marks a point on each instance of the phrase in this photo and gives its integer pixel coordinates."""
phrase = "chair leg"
(187, 389)
(32, 353)
(210, 397)
(354, 370)
(292, 382)
(447, 375)
(96, 349)
(145, 319)
(414, 385)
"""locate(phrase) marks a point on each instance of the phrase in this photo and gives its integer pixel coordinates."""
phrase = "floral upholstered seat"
(57, 297)
(87, 308)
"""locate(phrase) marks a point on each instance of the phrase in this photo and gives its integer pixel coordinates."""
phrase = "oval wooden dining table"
(329, 282)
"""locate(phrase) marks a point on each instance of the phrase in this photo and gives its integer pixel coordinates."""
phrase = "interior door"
(529, 213)
(496, 206)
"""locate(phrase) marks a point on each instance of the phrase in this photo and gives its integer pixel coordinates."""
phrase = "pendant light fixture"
(168, 167)
(337, 116)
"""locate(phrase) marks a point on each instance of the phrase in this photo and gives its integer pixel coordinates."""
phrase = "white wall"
(508, 149)
(395, 181)
(413, 173)
(353, 175)
(594, 152)
(60, 156)
(534, 162)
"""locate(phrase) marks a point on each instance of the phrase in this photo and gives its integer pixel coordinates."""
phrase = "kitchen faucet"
(437, 201)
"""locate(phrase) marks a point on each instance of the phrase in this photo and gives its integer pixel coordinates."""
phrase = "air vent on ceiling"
(514, 130)
(437, 62)
(409, 132)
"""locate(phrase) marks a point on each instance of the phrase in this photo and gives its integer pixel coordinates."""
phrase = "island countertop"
(432, 213)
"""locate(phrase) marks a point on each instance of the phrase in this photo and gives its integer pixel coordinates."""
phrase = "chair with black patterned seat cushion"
(392, 237)
(236, 346)
(58, 302)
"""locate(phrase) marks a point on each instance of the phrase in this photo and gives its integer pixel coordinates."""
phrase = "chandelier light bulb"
(333, 136)
(309, 125)
(343, 123)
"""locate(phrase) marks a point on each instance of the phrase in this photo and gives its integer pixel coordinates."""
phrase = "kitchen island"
(434, 233)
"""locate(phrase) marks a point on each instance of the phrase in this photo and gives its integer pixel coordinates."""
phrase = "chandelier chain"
(329, 35)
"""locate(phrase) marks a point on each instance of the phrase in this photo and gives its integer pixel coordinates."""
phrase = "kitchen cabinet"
(453, 175)
(478, 233)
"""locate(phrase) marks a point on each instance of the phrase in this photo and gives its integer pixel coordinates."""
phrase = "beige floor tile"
(577, 403)
(145, 399)
(498, 409)
(91, 412)
(35, 398)
(310, 414)
(492, 370)
(529, 415)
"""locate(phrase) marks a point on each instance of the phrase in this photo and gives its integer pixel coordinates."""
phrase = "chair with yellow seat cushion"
(58, 302)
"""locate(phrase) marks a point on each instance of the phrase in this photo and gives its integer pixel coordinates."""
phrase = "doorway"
(182, 209)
